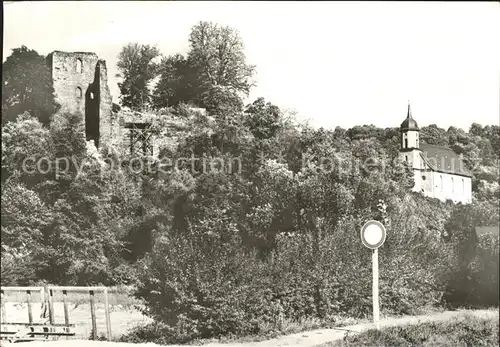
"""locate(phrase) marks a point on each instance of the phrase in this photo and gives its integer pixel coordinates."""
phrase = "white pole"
(376, 312)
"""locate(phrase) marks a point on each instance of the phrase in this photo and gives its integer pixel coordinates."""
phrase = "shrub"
(475, 279)
(205, 284)
(484, 271)
(464, 330)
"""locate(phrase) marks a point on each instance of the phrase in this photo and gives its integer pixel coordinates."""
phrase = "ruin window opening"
(91, 95)
(79, 65)
(78, 92)
(406, 143)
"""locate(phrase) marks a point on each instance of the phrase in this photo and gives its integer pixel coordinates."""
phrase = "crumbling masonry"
(81, 87)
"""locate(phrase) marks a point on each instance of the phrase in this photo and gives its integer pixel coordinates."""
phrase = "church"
(438, 171)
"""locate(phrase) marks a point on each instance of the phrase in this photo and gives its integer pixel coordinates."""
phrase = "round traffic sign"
(373, 234)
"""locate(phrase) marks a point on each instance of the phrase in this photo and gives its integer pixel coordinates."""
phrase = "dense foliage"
(27, 86)
(137, 68)
(267, 232)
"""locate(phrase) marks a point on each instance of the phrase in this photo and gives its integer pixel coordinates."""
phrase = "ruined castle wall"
(69, 78)
(81, 86)
(105, 106)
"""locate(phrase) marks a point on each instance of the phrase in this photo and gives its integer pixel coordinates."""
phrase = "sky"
(334, 63)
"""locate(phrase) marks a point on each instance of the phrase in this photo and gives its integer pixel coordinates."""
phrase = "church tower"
(409, 142)
(409, 132)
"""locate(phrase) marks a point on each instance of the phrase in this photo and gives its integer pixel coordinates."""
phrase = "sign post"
(376, 307)
(373, 236)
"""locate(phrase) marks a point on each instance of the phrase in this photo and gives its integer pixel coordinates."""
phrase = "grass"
(270, 331)
(292, 327)
(464, 330)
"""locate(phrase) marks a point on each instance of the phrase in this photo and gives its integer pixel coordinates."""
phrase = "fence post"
(30, 309)
(65, 303)
(4, 314)
(51, 305)
(106, 311)
(92, 314)
(42, 299)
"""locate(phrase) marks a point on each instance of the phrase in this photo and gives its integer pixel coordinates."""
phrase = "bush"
(203, 284)
(488, 253)
(198, 290)
(475, 279)
(484, 271)
(462, 331)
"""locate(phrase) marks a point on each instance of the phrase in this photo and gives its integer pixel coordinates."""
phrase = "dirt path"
(321, 336)
(307, 339)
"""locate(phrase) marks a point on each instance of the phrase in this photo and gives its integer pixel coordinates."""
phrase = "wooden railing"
(28, 291)
(47, 298)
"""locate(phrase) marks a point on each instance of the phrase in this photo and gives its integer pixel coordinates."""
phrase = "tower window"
(92, 95)
(463, 186)
(452, 185)
(79, 65)
(406, 143)
(406, 158)
(78, 92)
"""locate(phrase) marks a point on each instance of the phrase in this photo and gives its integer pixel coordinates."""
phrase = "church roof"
(409, 123)
(444, 159)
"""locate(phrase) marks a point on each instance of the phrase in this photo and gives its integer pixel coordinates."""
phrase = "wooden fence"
(47, 301)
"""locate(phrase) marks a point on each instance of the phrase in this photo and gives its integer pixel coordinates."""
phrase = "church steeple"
(409, 132)
(409, 123)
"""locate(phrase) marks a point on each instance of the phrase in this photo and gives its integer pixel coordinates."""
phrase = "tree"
(215, 64)
(363, 132)
(263, 119)
(137, 68)
(476, 129)
(27, 86)
(177, 83)
(433, 135)
(25, 142)
(217, 55)
(24, 219)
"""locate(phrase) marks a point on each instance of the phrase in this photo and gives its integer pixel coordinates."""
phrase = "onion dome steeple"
(409, 123)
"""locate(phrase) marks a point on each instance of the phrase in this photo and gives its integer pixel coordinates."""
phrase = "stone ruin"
(81, 87)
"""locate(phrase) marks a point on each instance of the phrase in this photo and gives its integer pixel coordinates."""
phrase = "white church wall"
(424, 182)
(448, 186)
